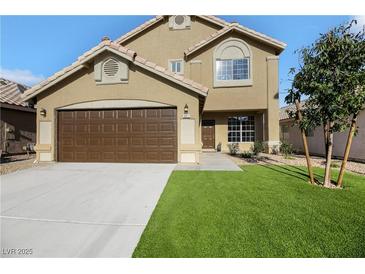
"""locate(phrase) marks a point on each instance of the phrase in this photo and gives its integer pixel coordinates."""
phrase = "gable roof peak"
(124, 53)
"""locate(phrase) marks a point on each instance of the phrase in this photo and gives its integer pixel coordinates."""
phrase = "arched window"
(232, 61)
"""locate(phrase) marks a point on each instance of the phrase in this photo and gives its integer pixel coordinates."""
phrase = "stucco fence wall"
(316, 142)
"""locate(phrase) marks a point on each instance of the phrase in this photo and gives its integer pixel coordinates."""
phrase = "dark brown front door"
(208, 134)
(120, 135)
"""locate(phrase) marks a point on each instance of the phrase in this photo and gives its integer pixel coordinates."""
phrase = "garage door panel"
(81, 128)
(123, 114)
(108, 156)
(80, 156)
(137, 141)
(137, 114)
(151, 142)
(153, 114)
(134, 135)
(168, 142)
(137, 156)
(169, 114)
(168, 156)
(108, 128)
(137, 127)
(95, 115)
(94, 156)
(94, 128)
(81, 115)
(122, 156)
(122, 128)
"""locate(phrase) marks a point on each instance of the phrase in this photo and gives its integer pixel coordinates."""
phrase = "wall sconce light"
(43, 112)
(186, 112)
(186, 109)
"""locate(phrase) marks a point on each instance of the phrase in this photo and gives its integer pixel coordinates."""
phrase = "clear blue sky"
(34, 47)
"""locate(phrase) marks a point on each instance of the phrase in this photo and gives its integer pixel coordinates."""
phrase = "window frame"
(232, 66)
(181, 61)
(246, 53)
(241, 130)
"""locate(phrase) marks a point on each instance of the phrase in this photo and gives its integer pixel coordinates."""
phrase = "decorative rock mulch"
(15, 163)
(297, 160)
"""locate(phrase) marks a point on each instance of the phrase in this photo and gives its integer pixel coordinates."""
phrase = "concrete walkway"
(79, 210)
(211, 161)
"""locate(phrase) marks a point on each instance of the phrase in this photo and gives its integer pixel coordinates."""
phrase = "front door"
(208, 134)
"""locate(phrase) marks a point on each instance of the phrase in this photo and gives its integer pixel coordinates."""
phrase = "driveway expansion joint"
(66, 221)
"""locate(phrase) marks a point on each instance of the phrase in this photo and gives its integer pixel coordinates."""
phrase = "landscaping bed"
(297, 160)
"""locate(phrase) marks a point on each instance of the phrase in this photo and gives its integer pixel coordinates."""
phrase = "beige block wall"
(316, 142)
(221, 127)
(142, 85)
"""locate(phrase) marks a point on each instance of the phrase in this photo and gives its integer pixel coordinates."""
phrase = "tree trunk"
(325, 133)
(347, 150)
(305, 144)
(327, 175)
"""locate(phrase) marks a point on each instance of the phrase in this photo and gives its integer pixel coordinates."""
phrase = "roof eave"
(112, 48)
(277, 45)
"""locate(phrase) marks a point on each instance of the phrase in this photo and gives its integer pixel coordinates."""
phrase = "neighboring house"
(18, 119)
(290, 132)
(162, 93)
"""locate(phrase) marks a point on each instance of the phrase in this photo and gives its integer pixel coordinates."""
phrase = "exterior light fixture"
(186, 109)
(186, 112)
(43, 112)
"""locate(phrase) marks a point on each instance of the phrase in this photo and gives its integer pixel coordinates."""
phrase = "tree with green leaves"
(332, 77)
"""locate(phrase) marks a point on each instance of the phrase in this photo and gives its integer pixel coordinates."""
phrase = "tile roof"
(139, 29)
(11, 93)
(284, 111)
(228, 28)
(210, 18)
(124, 52)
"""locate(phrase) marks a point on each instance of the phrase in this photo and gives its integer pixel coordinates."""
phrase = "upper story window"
(232, 64)
(232, 69)
(176, 66)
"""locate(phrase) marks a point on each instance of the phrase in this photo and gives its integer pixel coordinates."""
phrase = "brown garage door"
(120, 135)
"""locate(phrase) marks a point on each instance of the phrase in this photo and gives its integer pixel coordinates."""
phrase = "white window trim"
(242, 142)
(233, 83)
(176, 60)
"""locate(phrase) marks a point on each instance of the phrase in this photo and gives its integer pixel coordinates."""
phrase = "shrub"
(219, 147)
(275, 150)
(286, 149)
(246, 154)
(335, 164)
(258, 147)
(233, 148)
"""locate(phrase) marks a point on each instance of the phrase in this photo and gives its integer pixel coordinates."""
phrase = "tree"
(294, 97)
(355, 88)
(331, 75)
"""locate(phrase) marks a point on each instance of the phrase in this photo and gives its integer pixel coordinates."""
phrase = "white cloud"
(360, 22)
(21, 76)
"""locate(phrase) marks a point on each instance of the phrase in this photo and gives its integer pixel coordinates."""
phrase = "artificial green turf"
(264, 211)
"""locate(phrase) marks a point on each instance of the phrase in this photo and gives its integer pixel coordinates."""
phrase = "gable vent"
(179, 19)
(111, 67)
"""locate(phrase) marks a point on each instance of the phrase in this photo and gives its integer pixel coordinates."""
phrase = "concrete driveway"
(78, 210)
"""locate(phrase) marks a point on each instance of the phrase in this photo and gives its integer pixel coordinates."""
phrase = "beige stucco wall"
(221, 127)
(316, 142)
(142, 85)
(161, 44)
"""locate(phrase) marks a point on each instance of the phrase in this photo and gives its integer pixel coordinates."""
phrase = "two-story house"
(164, 92)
